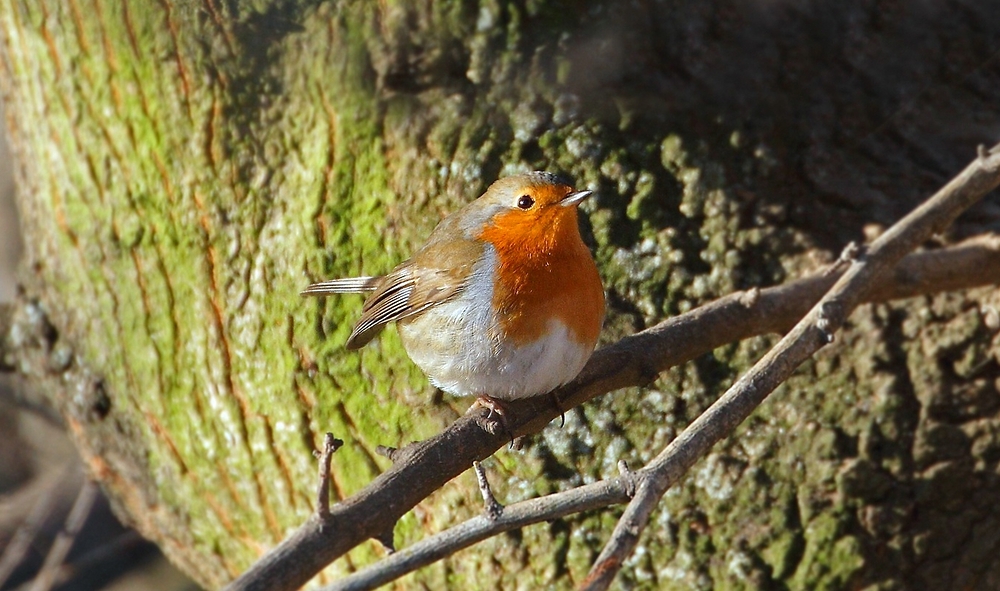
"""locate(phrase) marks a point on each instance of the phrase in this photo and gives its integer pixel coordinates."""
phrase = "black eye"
(525, 202)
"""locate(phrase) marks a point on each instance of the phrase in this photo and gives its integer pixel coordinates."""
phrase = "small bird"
(503, 301)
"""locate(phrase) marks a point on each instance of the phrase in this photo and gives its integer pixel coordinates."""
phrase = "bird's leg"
(497, 407)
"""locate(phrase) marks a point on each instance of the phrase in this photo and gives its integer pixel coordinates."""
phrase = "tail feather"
(346, 285)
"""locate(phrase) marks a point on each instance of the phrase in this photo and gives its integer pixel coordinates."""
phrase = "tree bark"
(185, 168)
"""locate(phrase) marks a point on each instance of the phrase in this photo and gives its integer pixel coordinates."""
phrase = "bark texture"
(185, 168)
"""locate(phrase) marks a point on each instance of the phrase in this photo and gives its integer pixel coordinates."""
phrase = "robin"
(502, 302)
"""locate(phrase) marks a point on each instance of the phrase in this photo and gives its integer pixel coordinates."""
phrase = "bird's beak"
(574, 198)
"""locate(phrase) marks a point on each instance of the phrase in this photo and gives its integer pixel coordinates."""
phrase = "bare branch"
(429, 550)
(917, 273)
(808, 336)
(421, 468)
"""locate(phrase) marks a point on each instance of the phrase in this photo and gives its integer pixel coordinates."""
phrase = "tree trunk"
(186, 168)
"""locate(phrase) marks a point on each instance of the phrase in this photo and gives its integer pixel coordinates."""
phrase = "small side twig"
(629, 477)
(387, 539)
(330, 446)
(847, 256)
(390, 453)
(491, 507)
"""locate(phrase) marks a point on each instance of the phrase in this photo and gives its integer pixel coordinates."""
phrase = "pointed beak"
(575, 198)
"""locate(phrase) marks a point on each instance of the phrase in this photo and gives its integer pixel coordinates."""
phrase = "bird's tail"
(347, 285)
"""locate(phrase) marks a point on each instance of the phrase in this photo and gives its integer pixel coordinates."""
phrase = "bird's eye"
(525, 202)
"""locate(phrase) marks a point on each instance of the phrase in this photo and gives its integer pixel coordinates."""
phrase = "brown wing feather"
(436, 274)
(346, 285)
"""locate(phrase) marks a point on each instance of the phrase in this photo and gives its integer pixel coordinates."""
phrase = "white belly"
(459, 346)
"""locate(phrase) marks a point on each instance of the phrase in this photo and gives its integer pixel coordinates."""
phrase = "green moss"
(783, 553)
(830, 559)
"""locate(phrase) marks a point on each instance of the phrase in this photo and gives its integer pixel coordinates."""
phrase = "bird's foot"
(496, 417)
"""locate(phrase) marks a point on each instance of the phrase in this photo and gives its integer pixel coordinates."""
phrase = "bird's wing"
(435, 275)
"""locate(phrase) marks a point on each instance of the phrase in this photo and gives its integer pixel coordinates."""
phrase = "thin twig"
(848, 255)
(330, 445)
(812, 333)
(64, 541)
(387, 452)
(431, 549)
(421, 468)
(491, 507)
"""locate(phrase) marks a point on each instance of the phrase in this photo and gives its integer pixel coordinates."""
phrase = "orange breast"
(545, 271)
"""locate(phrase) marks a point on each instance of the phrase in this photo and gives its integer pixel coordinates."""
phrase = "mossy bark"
(185, 168)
